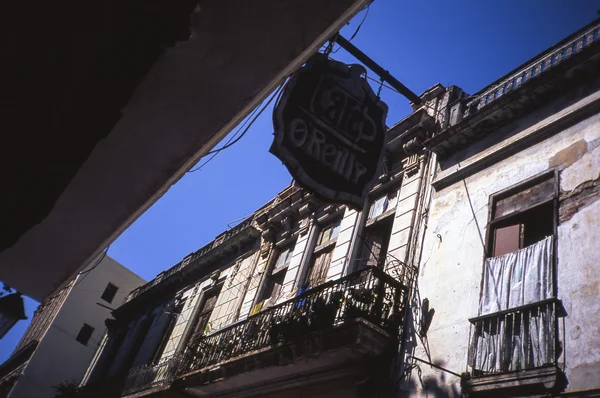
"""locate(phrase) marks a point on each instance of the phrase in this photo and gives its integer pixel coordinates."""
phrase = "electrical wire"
(235, 138)
(215, 152)
(437, 112)
(87, 272)
(238, 221)
(366, 7)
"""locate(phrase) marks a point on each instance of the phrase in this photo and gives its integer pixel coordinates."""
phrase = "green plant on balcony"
(324, 311)
(359, 303)
(310, 315)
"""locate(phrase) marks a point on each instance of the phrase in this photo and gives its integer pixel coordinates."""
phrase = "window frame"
(331, 226)
(513, 190)
(210, 293)
(106, 289)
(275, 271)
(389, 210)
(491, 227)
(322, 248)
(289, 251)
(382, 228)
(270, 284)
(79, 339)
(177, 308)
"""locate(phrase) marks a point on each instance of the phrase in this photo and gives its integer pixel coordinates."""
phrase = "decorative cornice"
(544, 79)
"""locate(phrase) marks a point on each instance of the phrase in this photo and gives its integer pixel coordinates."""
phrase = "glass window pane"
(324, 238)
(335, 231)
(109, 293)
(84, 334)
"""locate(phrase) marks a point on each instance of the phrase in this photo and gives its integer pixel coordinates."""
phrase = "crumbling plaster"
(453, 252)
(579, 288)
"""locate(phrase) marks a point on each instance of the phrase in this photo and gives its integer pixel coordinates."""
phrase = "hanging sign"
(329, 130)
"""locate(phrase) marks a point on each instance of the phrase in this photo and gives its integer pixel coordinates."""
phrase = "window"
(85, 333)
(283, 260)
(173, 314)
(319, 265)
(521, 218)
(208, 304)
(329, 233)
(109, 293)
(273, 286)
(276, 277)
(383, 204)
(374, 243)
(514, 329)
(374, 240)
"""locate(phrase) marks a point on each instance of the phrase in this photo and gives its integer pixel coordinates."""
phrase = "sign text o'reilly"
(329, 130)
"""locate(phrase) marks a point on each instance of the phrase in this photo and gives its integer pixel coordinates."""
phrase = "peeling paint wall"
(451, 264)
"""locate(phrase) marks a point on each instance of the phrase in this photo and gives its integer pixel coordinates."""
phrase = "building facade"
(303, 297)
(63, 336)
(508, 260)
(470, 271)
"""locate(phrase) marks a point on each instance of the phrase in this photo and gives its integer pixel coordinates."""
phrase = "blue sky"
(464, 43)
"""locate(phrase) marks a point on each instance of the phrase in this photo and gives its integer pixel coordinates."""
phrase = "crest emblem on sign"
(329, 130)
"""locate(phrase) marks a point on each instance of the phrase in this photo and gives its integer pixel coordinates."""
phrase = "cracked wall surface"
(452, 257)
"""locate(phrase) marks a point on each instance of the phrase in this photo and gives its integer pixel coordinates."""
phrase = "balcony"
(337, 324)
(515, 348)
(154, 377)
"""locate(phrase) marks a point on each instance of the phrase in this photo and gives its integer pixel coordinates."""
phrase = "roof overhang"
(116, 109)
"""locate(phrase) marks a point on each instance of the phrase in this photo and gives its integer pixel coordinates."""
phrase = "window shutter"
(526, 198)
(508, 239)
(318, 272)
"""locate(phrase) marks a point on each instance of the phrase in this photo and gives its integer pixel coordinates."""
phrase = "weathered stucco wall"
(453, 251)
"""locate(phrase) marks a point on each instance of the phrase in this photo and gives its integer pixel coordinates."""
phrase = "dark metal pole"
(437, 367)
(375, 67)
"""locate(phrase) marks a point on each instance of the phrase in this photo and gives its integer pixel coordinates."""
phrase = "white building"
(65, 330)
(420, 294)
(509, 249)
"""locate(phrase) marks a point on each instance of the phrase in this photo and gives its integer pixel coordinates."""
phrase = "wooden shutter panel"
(508, 239)
(318, 272)
(525, 199)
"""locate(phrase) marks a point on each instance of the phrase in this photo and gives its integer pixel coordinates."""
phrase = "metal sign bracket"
(375, 67)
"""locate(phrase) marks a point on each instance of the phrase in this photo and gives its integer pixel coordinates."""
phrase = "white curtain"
(522, 339)
(518, 278)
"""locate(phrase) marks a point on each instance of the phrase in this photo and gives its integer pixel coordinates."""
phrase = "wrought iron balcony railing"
(370, 294)
(148, 376)
(516, 339)
(536, 67)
